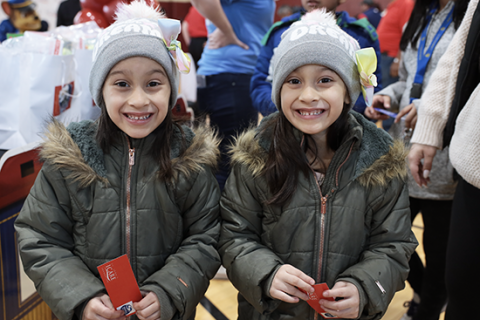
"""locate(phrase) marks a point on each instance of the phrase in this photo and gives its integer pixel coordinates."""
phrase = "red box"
(119, 280)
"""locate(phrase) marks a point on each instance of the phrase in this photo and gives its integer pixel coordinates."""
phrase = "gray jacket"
(441, 186)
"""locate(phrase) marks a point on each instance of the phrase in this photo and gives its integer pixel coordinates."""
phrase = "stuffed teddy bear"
(22, 17)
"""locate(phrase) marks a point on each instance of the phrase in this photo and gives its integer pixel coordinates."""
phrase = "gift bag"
(36, 87)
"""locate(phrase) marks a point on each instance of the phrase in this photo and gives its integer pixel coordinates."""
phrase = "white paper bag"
(34, 87)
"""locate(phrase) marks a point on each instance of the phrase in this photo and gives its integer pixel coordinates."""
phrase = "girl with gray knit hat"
(317, 193)
(133, 183)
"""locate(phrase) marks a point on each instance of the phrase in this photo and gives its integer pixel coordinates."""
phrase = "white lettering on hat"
(349, 44)
(317, 29)
(298, 33)
(332, 33)
(137, 26)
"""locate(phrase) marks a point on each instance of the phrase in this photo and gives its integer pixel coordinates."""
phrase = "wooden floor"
(223, 296)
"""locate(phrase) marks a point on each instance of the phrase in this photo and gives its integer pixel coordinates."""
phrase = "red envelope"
(315, 296)
(119, 280)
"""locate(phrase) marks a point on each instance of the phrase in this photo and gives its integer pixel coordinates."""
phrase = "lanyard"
(423, 56)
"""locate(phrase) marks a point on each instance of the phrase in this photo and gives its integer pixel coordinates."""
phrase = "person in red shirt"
(194, 33)
(389, 33)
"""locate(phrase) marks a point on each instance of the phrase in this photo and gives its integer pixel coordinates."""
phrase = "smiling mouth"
(311, 113)
(132, 117)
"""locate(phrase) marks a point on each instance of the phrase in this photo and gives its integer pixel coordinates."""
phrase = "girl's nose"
(138, 98)
(309, 94)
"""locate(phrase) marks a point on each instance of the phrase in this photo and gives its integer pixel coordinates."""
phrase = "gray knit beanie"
(135, 32)
(316, 39)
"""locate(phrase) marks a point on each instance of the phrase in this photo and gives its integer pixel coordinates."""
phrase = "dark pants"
(429, 280)
(463, 254)
(196, 49)
(226, 99)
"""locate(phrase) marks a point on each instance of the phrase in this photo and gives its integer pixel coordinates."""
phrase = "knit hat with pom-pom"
(135, 33)
(316, 39)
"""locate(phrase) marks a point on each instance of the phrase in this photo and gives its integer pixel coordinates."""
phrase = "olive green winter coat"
(84, 204)
(356, 228)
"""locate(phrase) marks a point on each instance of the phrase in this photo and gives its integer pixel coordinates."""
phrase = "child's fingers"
(306, 281)
(107, 301)
(280, 295)
(147, 300)
(349, 304)
(342, 289)
(344, 313)
(287, 282)
(101, 308)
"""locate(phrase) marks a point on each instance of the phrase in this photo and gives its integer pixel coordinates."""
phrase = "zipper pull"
(324, 205)
(131, 156)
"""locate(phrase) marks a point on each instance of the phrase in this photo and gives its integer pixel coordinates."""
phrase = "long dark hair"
(108, 134)
(418, 20)
(286, 153)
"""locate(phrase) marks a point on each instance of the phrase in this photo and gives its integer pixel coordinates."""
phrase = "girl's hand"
(411, 119)
(286, 282)
(217, 39)
(101, 307)
(148, 307)
(348, 307)
(379, 101)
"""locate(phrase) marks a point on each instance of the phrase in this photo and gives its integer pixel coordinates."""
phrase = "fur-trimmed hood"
(75, 149)
(380, 158)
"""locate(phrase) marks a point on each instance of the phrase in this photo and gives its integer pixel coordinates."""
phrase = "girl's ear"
(347, 98)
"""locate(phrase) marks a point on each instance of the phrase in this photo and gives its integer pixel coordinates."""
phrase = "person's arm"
(213, 11)
(184, 279)
(45, 229)
(383, 266)
(185, 34)
(260, 87)
(241, 244)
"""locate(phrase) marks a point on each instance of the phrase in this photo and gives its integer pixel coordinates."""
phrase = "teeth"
(314, 113)
(138, 118)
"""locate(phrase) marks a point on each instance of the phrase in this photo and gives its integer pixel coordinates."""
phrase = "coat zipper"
(131, 162)
(323, 211)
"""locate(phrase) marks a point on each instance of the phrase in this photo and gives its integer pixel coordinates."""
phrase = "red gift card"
(314, 298)
(122, 288)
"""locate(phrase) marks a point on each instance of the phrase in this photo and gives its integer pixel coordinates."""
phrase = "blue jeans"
(226, 99)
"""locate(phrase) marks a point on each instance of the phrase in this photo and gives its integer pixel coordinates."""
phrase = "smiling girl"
(317, 193)
(135, 182)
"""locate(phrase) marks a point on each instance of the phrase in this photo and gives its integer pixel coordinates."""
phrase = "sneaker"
(412, 309)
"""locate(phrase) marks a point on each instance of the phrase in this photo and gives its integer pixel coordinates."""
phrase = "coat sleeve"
(260, 87)
(249, 263)
(45, 230)
(383, 266)
(186, 274)
(396, 89)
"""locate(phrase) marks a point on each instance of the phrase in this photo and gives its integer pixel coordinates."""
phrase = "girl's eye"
(294, 81)
(153, 84)
(121, 84)
(325, 80)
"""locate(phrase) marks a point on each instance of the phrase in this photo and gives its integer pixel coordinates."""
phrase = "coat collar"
(75, 149)
(379, 158)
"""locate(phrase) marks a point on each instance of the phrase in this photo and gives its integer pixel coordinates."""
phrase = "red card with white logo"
(119, 280)
(314, 298)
